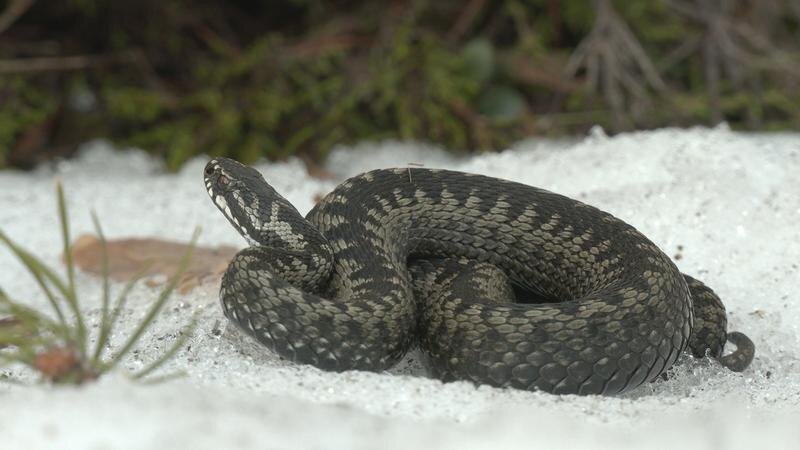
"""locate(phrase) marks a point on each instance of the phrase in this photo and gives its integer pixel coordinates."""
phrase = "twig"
(316, 46)
(13, 11)
(615, 62)
(465, 20)
(477, 123)
(61, 63)
(730, 48)
(683, 51)
(523, 69)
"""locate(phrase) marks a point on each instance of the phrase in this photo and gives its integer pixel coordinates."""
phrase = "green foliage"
(59, 348)
(25, 106)
(254, 79)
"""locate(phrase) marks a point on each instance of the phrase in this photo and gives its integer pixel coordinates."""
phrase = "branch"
(534, 73)
(61, 63)
(615, 62)
(465, 20)
(13, 11)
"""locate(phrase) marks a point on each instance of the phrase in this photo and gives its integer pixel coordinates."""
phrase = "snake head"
(261, 215)
(223, 176)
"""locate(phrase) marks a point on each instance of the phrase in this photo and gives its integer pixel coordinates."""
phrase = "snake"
(497, 282)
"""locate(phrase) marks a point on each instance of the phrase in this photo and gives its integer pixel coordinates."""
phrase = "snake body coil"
(396, 257)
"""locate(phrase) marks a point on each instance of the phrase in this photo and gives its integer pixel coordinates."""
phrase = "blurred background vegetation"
(275, 78)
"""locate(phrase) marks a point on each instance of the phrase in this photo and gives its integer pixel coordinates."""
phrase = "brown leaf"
(315, 170)
(126, 257)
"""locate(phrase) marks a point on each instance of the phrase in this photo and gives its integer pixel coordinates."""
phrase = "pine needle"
(185, 334)
(69, 292)
(156, 308)
(104, 319)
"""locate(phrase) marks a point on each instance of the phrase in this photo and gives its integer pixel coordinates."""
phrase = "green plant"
(274, 79)
(60, 348)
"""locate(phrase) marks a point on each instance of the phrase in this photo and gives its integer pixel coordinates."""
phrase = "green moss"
(23, 105)
(133, 104)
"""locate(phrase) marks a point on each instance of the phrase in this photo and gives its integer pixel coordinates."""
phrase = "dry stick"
(593, 71)
(755, 109)
(57, 63)
(635, 87)
(613, 57)
(712, 78)
(465, 20)
(738, 44)
(795, 4)
(724, 45)
(13, 11)
(639, 56)
(627, 46)
(523, 69)
(576, 59)
(611, 87)
(684, 8)
(761, 43)
(683, 51)
(476, 123)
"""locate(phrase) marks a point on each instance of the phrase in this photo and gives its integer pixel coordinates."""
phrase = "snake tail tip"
(741, 358)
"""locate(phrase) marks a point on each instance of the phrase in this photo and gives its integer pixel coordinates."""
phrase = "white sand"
(730, 201)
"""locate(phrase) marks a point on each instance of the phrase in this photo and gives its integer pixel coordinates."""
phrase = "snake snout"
(216, 177)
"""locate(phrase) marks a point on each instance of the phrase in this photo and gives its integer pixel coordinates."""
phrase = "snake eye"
(223, 180)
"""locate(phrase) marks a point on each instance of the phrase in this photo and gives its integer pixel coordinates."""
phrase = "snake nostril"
(209, 170)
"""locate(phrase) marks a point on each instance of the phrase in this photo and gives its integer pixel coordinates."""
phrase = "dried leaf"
(315, 170)
(127, 257)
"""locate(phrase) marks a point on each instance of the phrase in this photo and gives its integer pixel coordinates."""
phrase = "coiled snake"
(399, 257)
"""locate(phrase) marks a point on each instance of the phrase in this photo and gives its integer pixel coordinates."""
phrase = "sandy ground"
(725, 204)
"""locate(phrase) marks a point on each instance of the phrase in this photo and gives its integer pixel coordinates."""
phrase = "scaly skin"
(334, 289)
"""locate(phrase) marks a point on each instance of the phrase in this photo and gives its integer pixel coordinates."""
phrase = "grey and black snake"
(497, 282)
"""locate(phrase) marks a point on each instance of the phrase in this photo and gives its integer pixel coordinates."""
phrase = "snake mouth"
(212, 174)
(217, 182)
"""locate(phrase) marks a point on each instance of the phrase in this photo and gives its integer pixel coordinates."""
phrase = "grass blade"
(108, 325)
(185, 334)
(30, 319)
(69, 294)
(101, 340)
(156, 308)
(15, 358)
(20, 354)
(19, 340)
